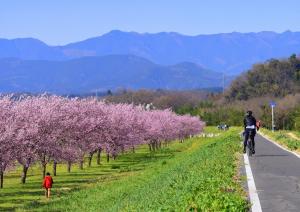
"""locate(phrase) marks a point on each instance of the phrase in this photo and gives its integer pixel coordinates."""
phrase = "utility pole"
(272, 118)
(272, 104)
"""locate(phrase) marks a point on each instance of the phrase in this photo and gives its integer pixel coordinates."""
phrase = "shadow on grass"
(64, 183)
(20, 193)
(7, 209)
(36, 199)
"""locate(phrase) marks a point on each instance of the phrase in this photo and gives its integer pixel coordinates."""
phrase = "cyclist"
(250, 130)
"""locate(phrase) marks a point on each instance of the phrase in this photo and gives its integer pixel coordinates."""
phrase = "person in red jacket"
(47, 184)
(258, 124)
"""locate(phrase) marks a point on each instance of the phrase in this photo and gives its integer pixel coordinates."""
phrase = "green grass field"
(197, 175)
(289, 139)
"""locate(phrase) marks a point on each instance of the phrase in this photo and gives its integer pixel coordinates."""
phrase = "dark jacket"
(249, 121)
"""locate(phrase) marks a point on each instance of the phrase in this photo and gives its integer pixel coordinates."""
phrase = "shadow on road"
(271, 155)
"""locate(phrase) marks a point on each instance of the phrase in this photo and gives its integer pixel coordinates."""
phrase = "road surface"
(277, 177)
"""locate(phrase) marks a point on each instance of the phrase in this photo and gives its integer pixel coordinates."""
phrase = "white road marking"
(275, 143)
(255, 203)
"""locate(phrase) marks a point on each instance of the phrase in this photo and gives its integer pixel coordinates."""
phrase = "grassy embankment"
(286, 138)
(199, 174)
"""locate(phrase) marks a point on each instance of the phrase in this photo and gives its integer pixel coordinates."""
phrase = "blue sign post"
(272, 104)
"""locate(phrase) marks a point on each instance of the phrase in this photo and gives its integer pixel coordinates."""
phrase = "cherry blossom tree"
(52, 128)
(7, 145)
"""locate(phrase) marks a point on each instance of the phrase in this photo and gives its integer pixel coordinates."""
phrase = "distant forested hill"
(276, 78)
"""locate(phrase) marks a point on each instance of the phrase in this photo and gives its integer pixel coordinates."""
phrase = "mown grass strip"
(197, 175)
(15, 195)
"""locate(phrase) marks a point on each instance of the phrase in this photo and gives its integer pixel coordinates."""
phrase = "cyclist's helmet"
(249, 113)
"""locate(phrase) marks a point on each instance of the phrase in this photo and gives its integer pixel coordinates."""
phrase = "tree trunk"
(24, 174)
(90, 158)
(133, 149)
(1, 178)
(150, 147)
(54, 168)
(156, 145)
(81, 164)
(153, 146)
(44, 170)
(99, 156)
(69, 166)
(107, 157)
(44, 164)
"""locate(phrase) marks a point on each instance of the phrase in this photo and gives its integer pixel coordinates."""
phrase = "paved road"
(277, 177)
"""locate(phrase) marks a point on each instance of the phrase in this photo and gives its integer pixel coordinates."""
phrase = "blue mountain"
(29, 49)
(232, 53)
(91, 74)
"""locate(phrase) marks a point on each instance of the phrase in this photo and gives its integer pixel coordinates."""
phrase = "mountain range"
(101, 73)
(231, 53)
(133, 60)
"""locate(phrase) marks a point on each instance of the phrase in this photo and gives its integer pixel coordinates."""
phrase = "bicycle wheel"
(249, 147)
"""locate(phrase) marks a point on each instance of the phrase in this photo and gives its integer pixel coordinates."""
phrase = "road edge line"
(280, 146)
(255, 203)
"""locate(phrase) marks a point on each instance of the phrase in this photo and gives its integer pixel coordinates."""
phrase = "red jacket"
(48, 181)
(258, 124)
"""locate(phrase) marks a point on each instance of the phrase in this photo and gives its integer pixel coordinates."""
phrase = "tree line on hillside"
(218, 111)
(214, 109)
(160, 99)
(276, 78)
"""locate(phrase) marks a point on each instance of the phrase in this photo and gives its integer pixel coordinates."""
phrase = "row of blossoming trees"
(60, 130)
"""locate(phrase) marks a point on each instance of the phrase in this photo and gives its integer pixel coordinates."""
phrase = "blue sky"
(64, 21)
